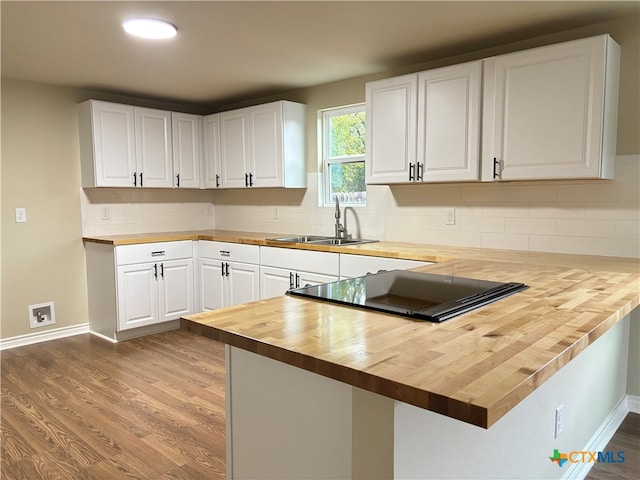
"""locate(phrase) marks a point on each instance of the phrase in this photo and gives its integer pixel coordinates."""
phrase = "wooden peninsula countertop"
(475, 367)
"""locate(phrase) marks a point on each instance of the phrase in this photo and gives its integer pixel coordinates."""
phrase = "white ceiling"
(231, 50)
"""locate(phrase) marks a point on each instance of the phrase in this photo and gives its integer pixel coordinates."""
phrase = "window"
(343, 147)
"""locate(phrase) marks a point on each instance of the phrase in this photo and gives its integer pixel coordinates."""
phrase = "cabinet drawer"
(149, 252)
(358, 265)
(238, 252)
(300, 260)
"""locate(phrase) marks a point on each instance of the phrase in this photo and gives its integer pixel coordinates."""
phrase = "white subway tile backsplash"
(588, 217)
(544, 226)
(585, 228)
(628, 229)
(556, 243)
(482, 224)
(508, 241)
(594, 191)
(545, 210)
(531, 193)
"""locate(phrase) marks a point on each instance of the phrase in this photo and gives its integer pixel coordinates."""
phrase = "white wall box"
(263, 146)
(358, 265)
(125, 146)
(211, 170)
(551, 112)
(144, 287)
(227, 274)
(285, 268)
(186, 131)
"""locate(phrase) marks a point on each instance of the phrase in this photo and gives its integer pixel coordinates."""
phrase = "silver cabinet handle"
(225, 253)
(158, 253)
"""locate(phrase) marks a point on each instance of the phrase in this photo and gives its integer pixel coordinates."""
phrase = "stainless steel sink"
(341, 241)
(321, 240)
(300, 239)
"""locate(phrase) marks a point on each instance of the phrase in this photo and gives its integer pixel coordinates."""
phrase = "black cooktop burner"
(419, 295)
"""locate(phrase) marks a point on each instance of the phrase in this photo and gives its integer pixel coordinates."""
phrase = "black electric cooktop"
(425, 296)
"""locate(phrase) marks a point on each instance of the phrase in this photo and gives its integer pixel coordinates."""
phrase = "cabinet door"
(176, 289)
(234, 148)
(391, 129)
(137, 295)
(153, 147)
(211, 151)
(304, 279)
(113, 144)
(243, 283)
(449, 123)
(544, 111)
(266, 145)
(274, 281)
(186, 133)
(211, 284)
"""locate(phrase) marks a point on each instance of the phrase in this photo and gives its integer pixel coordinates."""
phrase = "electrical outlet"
(21, 215)
(105, 213)
(209, 210)
(275, 213)
(559, 421)
(450, 216)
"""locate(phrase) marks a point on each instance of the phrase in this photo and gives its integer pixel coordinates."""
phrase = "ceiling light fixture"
(149, 28)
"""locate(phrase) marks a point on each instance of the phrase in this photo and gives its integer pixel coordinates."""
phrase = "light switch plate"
(21, 215)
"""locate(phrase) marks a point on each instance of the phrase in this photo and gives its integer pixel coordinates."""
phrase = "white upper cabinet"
(153, 147)
(263, 146)
(425, 127)
(449, 118)
(391, 106)
(107, 144)
(186, 130)
(125, 146)
(234, 148)
(211, 173)
(544, 113)
(551, 112)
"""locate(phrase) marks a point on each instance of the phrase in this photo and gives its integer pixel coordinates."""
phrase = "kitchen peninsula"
(326, 391)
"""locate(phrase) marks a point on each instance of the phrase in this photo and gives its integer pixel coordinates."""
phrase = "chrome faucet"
(340, 230)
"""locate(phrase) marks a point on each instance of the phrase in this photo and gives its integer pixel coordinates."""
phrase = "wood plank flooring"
(151, 408)
(82, 408)
(627, 440)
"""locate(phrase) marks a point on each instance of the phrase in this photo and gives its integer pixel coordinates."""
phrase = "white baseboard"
(30, 338)
(599, 440)
(104, 337)
(633, 402)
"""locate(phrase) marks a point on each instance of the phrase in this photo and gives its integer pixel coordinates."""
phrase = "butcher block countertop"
(475, 367)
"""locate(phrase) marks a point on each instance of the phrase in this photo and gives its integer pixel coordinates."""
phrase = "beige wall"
(43, 259)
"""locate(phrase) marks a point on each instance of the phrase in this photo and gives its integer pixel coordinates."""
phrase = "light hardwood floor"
(627, 440)
(150, 408)
(82, 408)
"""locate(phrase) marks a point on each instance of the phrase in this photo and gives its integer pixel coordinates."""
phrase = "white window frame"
(325, 118)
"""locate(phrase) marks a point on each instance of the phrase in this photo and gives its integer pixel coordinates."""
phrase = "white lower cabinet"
(358, 265)
(283, 268)
(228, 274)
(142, 286)
(156, 292)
